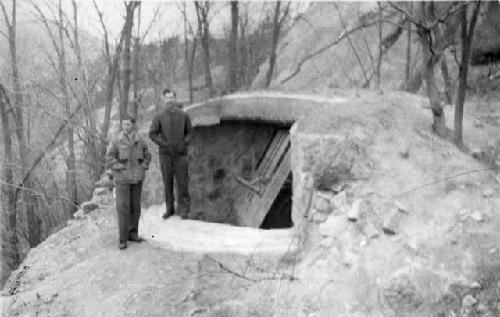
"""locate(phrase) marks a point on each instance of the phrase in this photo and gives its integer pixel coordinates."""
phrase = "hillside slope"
(442, 257)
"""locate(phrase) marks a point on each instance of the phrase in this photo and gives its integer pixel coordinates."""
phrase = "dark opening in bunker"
(240, 174)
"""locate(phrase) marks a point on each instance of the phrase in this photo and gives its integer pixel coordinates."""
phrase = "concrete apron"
(205, 237)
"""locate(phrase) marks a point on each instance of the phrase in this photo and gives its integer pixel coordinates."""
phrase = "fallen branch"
(442, 180)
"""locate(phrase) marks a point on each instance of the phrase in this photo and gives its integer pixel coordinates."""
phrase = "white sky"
(169, 20)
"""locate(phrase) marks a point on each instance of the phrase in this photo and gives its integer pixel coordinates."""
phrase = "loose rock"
(80, 214)
(88, 206)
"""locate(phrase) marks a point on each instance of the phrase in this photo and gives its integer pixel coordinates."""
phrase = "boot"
(123, 245)
(135, 239)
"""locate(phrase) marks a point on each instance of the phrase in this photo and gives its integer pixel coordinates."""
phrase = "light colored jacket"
(128, 157)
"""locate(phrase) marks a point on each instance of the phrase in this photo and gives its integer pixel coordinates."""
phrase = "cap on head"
(129, 117)
(168, 93)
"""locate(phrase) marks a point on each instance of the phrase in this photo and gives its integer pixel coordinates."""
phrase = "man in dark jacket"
(171, 129)
(128, 157)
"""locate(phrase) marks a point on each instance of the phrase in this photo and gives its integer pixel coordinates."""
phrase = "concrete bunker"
(240, 174)
(241, 158)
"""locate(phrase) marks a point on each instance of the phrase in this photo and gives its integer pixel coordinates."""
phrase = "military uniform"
(170, 129)
(128, 157)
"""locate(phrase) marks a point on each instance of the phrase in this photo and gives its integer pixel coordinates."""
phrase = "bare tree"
(202, 12)
(126, 73)
(244, 49)
(277, 24)
(189, 53)
(8, 230)
(353, 48)
(233, 49)
(408, 48)
(379, 61)
(135, 70)
(467, 34)
(436, 33)
(83, 95)
(19, 120)
(112, 69)
(60, 49)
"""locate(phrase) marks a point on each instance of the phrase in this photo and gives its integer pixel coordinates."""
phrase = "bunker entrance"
(240, 174)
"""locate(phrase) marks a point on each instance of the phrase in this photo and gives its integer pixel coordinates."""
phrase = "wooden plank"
(259, 206)
(254, 203)
(274, 148)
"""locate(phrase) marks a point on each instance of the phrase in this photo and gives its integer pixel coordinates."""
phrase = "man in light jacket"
(128, 157)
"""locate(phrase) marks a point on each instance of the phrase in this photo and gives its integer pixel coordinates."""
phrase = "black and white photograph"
(178, 158)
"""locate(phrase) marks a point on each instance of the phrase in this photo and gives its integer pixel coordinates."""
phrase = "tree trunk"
(233, 49)
(243, 51)
(83, 84)
(189, 55)
(10, 257)
(380, 49)
(428, 63)
(408, 51)
(135, 109)
(135, 72)
(447, 81)
(127, 34)
(204, 27)
(71, 162)
(466, 38)
(27, 196)
(110, 83)
(274, 44)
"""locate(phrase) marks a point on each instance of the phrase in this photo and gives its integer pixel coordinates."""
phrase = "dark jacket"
(128, 157)
(171, 129)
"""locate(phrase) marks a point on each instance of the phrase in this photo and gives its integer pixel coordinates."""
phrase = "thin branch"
(148, 28)
(285, 14)
(45, 22)
(50, 145)
(6, 16)
(341, 37)
(354, 50)
(442, 180)
(4, 34)
(407, 16)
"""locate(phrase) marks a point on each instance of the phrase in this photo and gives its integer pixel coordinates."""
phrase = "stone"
(318, 217)
(370, 231)
(464, 214)
(475, 284)
(401, 207)
(391, 221)
(354, 212)
(89, 206)
(478, 216)
(101, 191)
(488, 193)
(338, 203)
(468, 301)
(477, 153)
(322, 203)
(80, 214)
(363, 242)
(333, 225)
